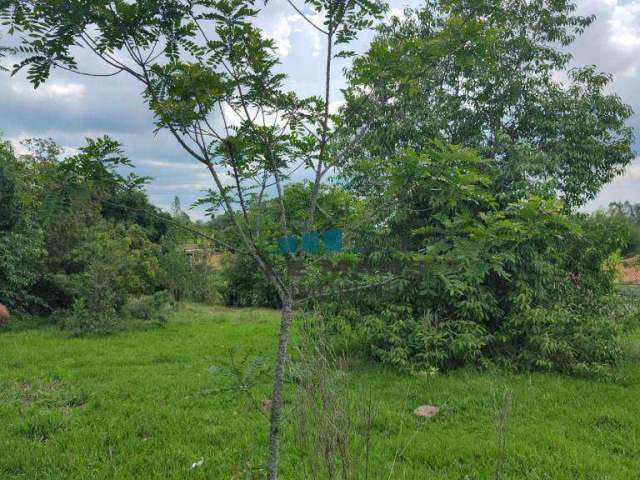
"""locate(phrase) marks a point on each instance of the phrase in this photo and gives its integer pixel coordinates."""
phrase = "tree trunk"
(278, 381)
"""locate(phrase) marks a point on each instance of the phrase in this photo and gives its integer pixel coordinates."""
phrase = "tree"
(176, 208)
(484, 74)
(47, 204)
(209, 78)
(524, 282)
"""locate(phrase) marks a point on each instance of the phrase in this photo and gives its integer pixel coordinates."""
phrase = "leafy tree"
(627, 215)
(112, 263)
(626, 209)
(131, 206)
(9, 201)
(176, 209)
(198, 61)
(21, 239)
(246, 283)
(50, 205)
(485, 74)
(477, 273)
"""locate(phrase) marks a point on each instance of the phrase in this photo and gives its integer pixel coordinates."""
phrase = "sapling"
(209, 77)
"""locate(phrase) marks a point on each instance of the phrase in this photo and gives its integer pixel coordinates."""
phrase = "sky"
(68, 108)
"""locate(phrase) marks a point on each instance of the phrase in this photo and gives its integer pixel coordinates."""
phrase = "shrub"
(149, 307)
(113, 264)
(422, 343)
(581, 341)
(246, 285)
(21, 255)
(81, 320)
(196, 282)
(477, 271)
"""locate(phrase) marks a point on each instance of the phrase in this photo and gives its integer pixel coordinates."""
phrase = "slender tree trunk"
(278, 381)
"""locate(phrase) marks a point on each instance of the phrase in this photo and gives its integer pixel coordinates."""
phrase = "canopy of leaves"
(75, 226)
(474, 270)
(493, 76)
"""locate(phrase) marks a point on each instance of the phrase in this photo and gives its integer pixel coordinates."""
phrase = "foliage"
(473, 267)
(149, 307)
(485, 75)
(579, 340)
(78, 235)
(246, 285)
(21, 254)
(628, 216)
(190, 281)
(240, 374)
(113, 264)
(80, 319)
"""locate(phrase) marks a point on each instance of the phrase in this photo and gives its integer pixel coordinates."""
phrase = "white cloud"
(51, 91)
(335, 106)
(625, 24)
(69, 151)
(395, 12)
(280, 33)
(631, 174)
(67, 91)
(281, 29)
(170, 165)
(613, 41)
(315, 36)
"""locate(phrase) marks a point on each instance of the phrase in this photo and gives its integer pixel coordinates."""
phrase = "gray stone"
(426, 411)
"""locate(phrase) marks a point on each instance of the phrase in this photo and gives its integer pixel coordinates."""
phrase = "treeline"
(81, 244)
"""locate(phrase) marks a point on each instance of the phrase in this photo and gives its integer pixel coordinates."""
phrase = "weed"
(42, 426)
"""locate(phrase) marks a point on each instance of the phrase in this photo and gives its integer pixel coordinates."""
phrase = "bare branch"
(307, 18)
(337, 292)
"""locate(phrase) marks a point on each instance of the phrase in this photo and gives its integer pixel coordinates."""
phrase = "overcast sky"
(69, 108)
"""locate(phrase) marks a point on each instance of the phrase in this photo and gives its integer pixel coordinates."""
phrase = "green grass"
(131, 406)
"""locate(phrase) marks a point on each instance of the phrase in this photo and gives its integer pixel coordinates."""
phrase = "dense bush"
(246, 285)
(627, 216)
(80, 243)
(113, 263)
(80, 319)
(476, 274)
(22, 253)
(195, 282)
(579, 341)
(149, 307)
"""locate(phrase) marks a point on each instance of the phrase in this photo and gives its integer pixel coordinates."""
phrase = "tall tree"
(208, 76)
(494, 76)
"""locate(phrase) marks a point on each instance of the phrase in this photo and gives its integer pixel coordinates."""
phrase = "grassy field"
(132, 406)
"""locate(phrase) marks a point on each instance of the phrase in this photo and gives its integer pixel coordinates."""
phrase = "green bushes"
(137, 311)
(194, 282)
(422, 343)
(82, 245)
(22, 253)
(149, 307)
(579, 341)
(81, 320)
(483, 278)
(246, 285)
